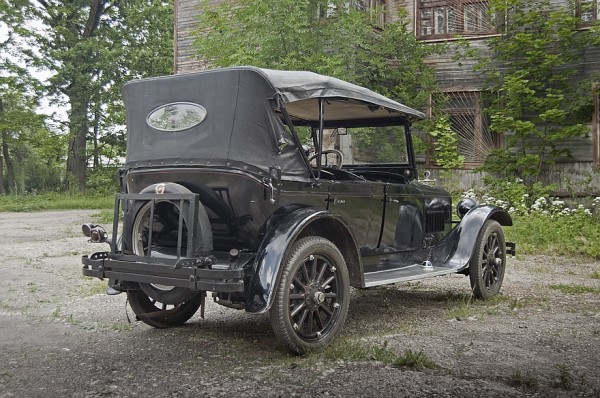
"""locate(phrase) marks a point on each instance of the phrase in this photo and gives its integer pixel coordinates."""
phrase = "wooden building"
(440, 21)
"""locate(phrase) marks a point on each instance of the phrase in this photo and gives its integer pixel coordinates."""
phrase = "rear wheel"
(162, 315)
(155, 234)
(312, 297)
(487, 266)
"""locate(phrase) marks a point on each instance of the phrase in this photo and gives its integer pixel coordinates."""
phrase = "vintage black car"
(221, 193)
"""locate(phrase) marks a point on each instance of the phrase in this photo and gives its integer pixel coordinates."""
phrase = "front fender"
(465, 234)
(273, 249)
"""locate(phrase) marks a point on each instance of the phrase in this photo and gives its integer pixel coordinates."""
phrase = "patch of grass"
(71, 320)
(462, 308)
(5, 377)
(56, 313)
(565, 379)
(353, 351)
(417, 360)
(595, 275)
(54, 201)
(525, 380)
(576, 234)
(121, 327)
(575, 289)
(104, 216)
(96, 287)
(345, 350)
(32, 287)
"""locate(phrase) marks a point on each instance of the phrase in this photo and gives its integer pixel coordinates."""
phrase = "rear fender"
(465, 234)
(279, 239)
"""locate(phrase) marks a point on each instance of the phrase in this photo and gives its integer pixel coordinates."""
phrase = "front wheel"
(161, 315)
(487, 266)
(312, 297)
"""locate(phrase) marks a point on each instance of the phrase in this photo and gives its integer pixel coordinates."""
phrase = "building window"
(443, 19)
(475, 140)
(588, 11)
(376, 9)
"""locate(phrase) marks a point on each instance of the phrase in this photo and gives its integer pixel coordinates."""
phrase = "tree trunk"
(77, 159)
(96, 139)
(10, 175)
(2, 191)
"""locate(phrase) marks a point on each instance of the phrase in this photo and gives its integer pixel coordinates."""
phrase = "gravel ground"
(61, 336)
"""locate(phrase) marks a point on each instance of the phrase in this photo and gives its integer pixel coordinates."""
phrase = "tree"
(535, 97)
(326, 37)
(26, 144)
(342, 42)
(92, 47)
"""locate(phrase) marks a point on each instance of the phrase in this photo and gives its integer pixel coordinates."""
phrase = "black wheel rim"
(492, 261)
(315, 298)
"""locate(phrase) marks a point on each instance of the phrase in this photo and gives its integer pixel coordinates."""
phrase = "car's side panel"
(360, 203)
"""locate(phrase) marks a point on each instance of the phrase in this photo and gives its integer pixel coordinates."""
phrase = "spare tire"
(165, 229)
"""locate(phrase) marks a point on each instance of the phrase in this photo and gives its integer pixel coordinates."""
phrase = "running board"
(404, 274)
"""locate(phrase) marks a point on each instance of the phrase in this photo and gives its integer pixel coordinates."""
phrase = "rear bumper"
(198, 274)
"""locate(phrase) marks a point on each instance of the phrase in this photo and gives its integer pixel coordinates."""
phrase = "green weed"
(5, 377)
(353, 351)
(32, 287)
(595, 275)
(413, 359)
(56, 313)
(121, 327)
(565, 379)
(71, 320)
(575, 289)
(526, 380)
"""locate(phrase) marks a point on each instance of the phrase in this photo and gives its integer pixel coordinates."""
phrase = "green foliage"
(534, 99)
(577, 234)
(31, 154)
(103, 181)
(542, 224)
(413, 359)
(356, 351)
(446, 144)
(90, 49)
(287, 34)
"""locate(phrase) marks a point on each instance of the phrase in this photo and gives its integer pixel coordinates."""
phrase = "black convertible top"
(232, 117)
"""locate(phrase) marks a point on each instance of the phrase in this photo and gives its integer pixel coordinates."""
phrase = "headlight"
(464, 206)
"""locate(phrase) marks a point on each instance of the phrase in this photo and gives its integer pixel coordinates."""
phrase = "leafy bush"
(544, 224)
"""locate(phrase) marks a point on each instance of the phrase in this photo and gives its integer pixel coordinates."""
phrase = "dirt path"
(61, 336)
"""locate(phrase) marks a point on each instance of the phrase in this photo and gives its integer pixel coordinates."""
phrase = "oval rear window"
(176, 116)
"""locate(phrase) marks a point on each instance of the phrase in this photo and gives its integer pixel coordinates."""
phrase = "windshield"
(365, 145)
(374, 145)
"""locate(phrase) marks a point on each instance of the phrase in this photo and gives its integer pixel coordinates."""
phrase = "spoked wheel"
(161, 315)
(311, 301)
(487, 266)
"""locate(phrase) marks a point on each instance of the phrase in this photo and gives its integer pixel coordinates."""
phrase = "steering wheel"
(339, 157)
